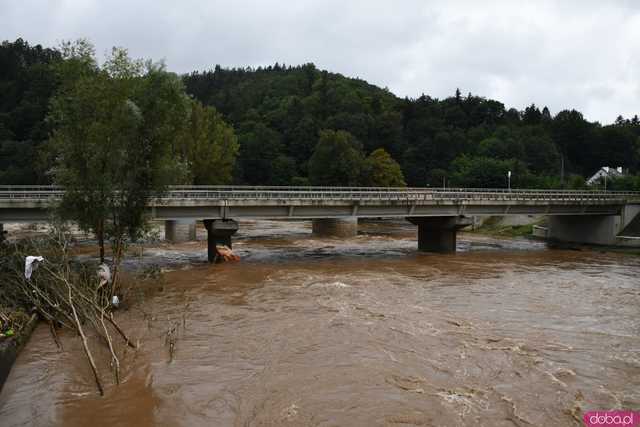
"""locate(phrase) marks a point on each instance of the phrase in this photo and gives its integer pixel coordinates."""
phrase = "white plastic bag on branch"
(104, 273)
(30, 264)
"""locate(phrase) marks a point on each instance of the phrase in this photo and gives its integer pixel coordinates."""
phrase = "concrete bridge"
(592, 217)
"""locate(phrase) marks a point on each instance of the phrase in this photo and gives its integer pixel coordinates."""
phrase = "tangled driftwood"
(61, 291)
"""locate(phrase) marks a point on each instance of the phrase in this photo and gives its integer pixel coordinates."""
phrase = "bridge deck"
(31, 203)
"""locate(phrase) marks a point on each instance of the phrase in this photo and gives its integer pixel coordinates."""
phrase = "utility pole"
(509, 180)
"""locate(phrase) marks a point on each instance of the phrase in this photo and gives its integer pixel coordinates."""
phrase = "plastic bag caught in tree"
(30, 264)
(104, 274)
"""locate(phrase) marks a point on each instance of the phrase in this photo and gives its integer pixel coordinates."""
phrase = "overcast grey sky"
(564, 54)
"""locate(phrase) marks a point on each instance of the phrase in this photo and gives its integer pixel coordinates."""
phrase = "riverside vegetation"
(493, 226)
(102, 117)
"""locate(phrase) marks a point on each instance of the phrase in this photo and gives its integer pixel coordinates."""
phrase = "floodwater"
(354, 332)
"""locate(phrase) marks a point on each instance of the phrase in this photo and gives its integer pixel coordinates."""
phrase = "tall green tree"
(380, 170)
(113, 142)
(540, 153)
(284, 170)
(259, 148)
(337, 160)
(209, 146)
(481, 172)
(576, 141)
(504, 144)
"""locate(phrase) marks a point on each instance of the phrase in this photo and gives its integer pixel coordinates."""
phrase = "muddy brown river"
(357, 332)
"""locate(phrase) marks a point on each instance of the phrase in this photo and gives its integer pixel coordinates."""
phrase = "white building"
(605, 173)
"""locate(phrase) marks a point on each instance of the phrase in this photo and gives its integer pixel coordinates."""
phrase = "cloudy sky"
(565, 54)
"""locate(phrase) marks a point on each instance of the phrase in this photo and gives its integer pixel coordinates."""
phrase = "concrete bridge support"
(622, 229)
(219, 232)
(335, 227)
(587, 229)
(182, 230)
(438, 233)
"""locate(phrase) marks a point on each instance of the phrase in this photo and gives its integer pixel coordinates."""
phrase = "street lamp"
(509, 180)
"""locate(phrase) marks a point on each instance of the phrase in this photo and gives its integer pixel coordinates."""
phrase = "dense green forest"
(298, 125)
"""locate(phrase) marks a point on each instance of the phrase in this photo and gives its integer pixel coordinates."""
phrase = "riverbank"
(10, 347)
(516, 226)
(43, 276)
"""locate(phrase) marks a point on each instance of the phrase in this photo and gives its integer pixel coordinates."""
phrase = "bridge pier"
(335, 227)
(439, 233)
(219, 232)
(182, 230)
(2, 236)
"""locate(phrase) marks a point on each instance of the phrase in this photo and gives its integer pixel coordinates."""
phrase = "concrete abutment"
(585, 229)
(335, 227)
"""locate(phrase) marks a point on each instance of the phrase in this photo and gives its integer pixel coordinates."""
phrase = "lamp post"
(509, 180)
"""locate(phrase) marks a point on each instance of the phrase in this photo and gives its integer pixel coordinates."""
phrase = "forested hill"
(301, 125)
(279, 111)
(27, 82)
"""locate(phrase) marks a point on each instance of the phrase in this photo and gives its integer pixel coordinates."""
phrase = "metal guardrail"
(45, 193)
(50, 188)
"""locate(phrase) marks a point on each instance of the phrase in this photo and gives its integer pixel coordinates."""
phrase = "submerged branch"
(86, 346)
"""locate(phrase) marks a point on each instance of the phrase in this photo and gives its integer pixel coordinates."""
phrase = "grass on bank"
(12, 321)
(493, 227)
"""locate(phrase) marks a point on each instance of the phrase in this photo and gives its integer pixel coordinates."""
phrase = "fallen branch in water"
(101, 310)
(86, 346)
(63, 292)
(114, 358)
(170, 340)
(54, 334)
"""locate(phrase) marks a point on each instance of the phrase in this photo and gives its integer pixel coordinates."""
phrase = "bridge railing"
(341, 193)
(394, 195)
(49, 188)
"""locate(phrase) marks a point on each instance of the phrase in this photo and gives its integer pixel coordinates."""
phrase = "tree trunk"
(100, 233)
(117, 258)
(85, 345)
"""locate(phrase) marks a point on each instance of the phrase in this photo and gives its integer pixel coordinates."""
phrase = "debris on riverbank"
(11, 345)
(12, 321)
(61, 291)
(21, 327)
(226, 254)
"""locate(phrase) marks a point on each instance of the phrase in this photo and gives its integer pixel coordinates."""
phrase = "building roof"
(605, 171)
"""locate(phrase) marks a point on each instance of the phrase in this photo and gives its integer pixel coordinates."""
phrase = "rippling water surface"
(357, 332)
